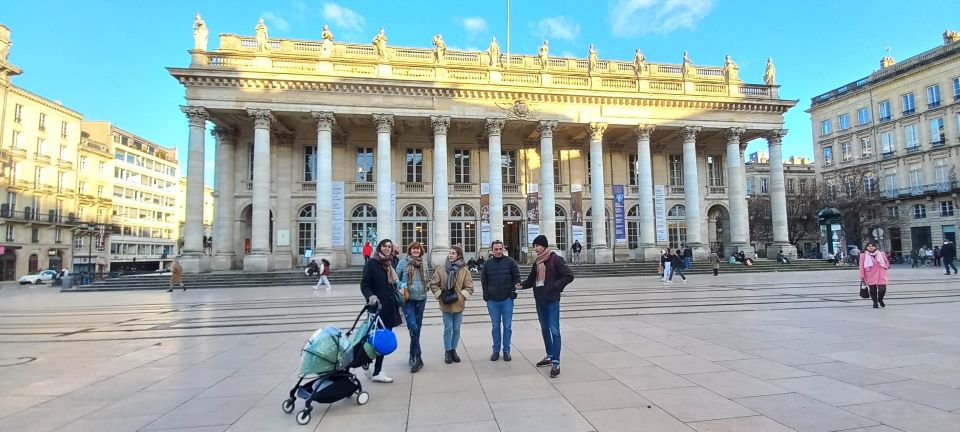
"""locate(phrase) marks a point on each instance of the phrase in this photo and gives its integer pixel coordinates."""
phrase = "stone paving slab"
(732, 353)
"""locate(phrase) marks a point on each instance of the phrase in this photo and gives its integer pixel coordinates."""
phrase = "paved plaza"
(751, 352)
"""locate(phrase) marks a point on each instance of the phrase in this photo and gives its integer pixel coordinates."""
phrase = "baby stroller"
(328, 356)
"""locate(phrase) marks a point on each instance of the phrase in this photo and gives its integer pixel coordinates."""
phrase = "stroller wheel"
(363, 398)
(287, 406)
(303, 417)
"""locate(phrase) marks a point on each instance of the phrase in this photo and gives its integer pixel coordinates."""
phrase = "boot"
(417, 364)
(454, 356)
(447, 357)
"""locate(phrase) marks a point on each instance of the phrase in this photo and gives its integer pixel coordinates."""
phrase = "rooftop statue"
(200, 34)
(440, 48)
(639, 62)
(494, 51)
(327, 35)
(770, 75)
(326, 43)
(261, 37)
(380, 45)
(542, 54)
(592, 60)
(730, 69)
(688, 69)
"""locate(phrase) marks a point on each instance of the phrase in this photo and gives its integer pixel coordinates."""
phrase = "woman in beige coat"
(453, 275)
(176, 276)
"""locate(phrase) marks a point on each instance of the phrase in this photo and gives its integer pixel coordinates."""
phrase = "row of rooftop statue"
(730, 68)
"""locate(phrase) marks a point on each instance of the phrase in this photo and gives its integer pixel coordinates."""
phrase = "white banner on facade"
(660, 210)
(338, 231)
(485, 214)
(576, 212)
(393, 212)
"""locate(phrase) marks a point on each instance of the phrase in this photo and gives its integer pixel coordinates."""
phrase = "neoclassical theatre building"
(322, 146)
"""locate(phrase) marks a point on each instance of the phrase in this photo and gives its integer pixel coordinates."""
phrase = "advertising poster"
(619, 217)
(337, 209)
(576, 213)
(660, 210)
(485, 214)
(533, 213)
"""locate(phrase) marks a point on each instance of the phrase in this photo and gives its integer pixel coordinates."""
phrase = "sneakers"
(495, 356)
(684, 280)
(506, 356)
(545, 362)
(381, 378)
(555, 370)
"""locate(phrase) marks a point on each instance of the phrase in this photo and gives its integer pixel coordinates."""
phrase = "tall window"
(675, 166)
(461, 166)
(845, 153)
(886, 142)
(17, 139)
(249, 165)
(863, 116)
(309, 163)
(715, 170)
(825, 127)
(890, 182)
(463, 228)
(791, 186)
(413, 226)
(933, 96)
(677, 226)
(909, 107)
(364, 165)
(843, 122)
(764, 185)
(942, 172)
(916, 178)
(63, 129)
(910, 136)
(561, 227)
(885, 111)
(956, 89)
(869, 184)
(946, 208)
(828, 155)
(306, 225)
(803, 185)
(633, 227)
(37, 175)
(919, 211)
(18, 114)
(508, 166)
(893, 212)
(61, 182)
(937, 133)
(866, 150)
(43, 122)
(632, 168)
(83, 163)
(557, 177)
(414, 165)
(41, 143)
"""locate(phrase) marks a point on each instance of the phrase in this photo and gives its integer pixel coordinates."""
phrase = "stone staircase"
(352, 275)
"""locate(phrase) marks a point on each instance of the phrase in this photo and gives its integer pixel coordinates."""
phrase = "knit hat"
(541, 240)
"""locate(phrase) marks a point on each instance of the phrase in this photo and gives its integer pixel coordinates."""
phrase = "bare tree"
(761, 223)
(854, 191)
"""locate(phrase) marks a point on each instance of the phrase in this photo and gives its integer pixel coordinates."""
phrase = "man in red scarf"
(548, 277)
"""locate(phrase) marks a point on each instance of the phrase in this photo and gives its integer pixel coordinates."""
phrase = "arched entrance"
(512, 221)
(8, 265)
(463, 229)
(246, 218)
(677, 226)
(306, 227)
(718, 227)
(561, 228)
(413, 227)
(34, 264)
(363, 229)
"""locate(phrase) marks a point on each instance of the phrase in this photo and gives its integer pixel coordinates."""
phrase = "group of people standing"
(934, 256)
(451, 286)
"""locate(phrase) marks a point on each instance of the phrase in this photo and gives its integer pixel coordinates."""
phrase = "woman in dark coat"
(378, 286)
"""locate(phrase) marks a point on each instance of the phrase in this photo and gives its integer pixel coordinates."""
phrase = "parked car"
(39, 278)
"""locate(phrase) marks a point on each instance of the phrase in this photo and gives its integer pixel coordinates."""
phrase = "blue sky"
(107, 59)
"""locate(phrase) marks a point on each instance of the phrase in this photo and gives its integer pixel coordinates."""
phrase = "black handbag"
(449, 296)
(864, 293)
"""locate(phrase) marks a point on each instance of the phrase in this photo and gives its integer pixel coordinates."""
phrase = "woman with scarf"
(873, 273)
(378, 286)
(454, 276)
(413, 272)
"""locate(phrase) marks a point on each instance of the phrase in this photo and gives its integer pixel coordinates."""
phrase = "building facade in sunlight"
(324, 146)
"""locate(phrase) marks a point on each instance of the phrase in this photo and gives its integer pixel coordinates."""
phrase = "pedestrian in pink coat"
(873, 273)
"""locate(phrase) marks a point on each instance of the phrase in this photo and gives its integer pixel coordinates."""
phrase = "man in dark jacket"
(548, 277)
(687, 257)
(949, 253)
(499, 278)
(576, 249)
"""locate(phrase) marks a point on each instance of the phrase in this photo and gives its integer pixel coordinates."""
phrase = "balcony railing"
(18, 153)
(885, 119)
(889, 154)
(42, 158)
(921, 190)
(65, 164)
(933, 104)
(936, 144)
(32, 215)
(363, 187)
(675, 190)
(467, 188)
(910, 111)
(716, 190)
(308, 186)
(416, 187)
(511, 188)
(913, 149)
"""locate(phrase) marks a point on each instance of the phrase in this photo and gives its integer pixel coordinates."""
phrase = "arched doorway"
(246, 218)
(463, 229)
(34, 264)
(677, 226)
(718, 220)
(588, 227)
(561, 228)
(306, 228)
(8, 265)
(633, 227)
(413, 227)
(363, 229)
(513, 241)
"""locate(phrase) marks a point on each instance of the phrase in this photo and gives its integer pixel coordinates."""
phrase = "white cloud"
(558, 27)
(640, 17)
(343, 17)
(275, 21)
(473, 25)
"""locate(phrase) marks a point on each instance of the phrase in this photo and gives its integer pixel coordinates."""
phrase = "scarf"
(452, 267)
(414, 266)
(870, 256)
(541, 265)
(386, 261)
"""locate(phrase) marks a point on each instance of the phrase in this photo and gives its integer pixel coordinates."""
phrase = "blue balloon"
(383, 341)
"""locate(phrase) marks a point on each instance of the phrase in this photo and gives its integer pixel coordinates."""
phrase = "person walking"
(576, 249)
(324, 270)
(453, 276)
(676, 266)
(873, 273)
(665, 264)
(413, 273)
(855, 255)
(378, 286)
(548, 277)
(367, 251)
(914, 258)
(715, 262)
(687, 257)
(176, 275)
(937, 254)
(499, 279)
(949, 253)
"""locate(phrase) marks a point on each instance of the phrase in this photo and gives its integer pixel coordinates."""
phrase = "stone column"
(194, 260)
(647, 244)
(548, 202)
(283, 254)
(494, 129)
(691, 192)
(599, 253)
(440, 241)
(385, 211)
(778, 198)
(260, 258)
(737, 196)
(323, 245)
(223, 236)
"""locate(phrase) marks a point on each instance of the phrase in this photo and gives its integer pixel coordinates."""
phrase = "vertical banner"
(485, 215)
(533, 212)
(619, 218)
(660, 210)
(576, 212)
(338, 231)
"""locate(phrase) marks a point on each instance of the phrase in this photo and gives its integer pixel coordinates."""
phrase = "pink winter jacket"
(877, 274)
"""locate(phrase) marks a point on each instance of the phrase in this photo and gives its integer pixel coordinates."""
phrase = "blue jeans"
(413, 315)
(451, 330)
(501, 312)
(676, 270)
(687, 262)
(549, 315)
